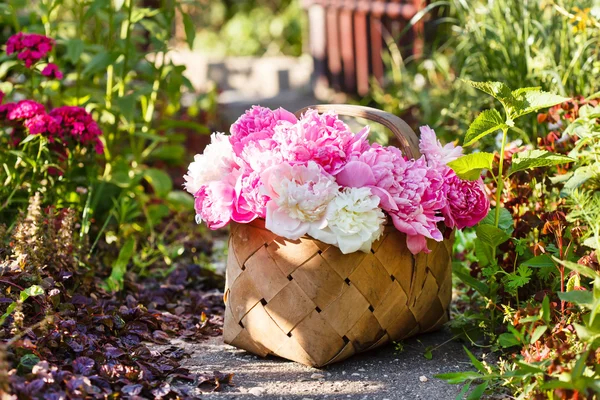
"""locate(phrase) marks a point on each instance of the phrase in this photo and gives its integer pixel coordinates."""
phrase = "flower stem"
(500, 178)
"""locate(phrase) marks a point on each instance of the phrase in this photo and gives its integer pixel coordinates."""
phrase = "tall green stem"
(125, 35)
(500, 179)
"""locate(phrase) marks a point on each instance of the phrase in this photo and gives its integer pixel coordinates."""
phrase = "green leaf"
(126, 106)
(115, 281)
(99, 63)
(536, 158)
(583, 298)
(573, 282)
(476, 363)
(194, 126)
(190, 29)
(170, 152)
(459, 377)
(428, 354)
(508, 340)
(497, 90)
(463, 391)
(27, 362)
(545, 312)
(505, 221)
(491, 235)
(476, 284)
(537, 333)
(34, 290)
(28, 139)
(119, 4)
(585, 271)
(519, 279)
(484, 253)
(541, 261)
(535, 99)
(489, 121)
(74, 49)
(160, 181)
(477, 393)
(180, 200)
(470, 166)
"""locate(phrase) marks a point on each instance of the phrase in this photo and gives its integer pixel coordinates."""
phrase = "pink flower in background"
(80, 125)
(6, 109)
(1, 96)
(433, 150)
(214, 204)
(322, 138)
(29, 47)
(299, 195)
(44, 124)
(25, 109)
(467, 202)
(51, 71)
(256, 125)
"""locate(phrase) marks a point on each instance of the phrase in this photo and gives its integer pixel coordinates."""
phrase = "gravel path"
(378, 375)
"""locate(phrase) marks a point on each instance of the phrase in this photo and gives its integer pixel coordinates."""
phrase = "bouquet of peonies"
(313, 176)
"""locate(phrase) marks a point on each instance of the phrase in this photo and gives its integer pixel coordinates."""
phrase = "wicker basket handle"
(409, 142)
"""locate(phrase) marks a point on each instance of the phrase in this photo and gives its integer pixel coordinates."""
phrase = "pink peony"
(256, 125)
(433, 150)
(30, 47)
(299, 196)
(214, 204)
(467, 202)
(216, 162)
(249, 199)
(51, 71)
(322, 138)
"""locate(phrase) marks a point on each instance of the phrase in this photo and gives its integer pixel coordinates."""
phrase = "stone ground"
(378, 375)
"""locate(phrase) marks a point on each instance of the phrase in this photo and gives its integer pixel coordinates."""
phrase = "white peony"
(354, 221)
(299, 197)
(213, 164)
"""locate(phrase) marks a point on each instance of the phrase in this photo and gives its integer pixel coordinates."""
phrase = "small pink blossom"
(256, 125)
(299, 196)
(79, 125)
(322, 138)
(468, 202)
(44, 124)
(250, 200)
(51, 71)
(25, 109)
(29, 47)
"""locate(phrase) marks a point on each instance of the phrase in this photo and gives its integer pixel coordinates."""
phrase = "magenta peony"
(468, 202)
(51, 71)
(249, 199)
(257, 125)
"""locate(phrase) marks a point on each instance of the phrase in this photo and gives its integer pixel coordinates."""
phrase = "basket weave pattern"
(306, 301)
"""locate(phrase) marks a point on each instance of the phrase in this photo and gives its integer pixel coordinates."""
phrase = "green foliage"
(536, 158)
(470, 166)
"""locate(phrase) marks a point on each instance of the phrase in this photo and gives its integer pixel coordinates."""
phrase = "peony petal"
(417, 244)
(386, 201)
(280, 223)
(356, 174)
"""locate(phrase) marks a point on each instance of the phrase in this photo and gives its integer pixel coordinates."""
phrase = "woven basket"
(306, 301)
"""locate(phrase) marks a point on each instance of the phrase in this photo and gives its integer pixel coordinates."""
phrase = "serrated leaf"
(491, 235)
(535, 159)
(537, 333)
(470, 166)
(497, 90)
(534, 100)
(505, 221)
(489, 121)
